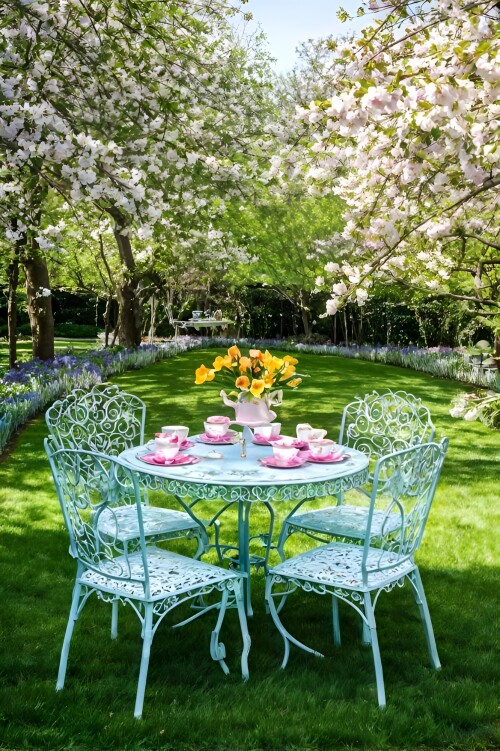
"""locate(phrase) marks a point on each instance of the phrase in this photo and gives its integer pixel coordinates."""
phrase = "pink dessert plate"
(225, 440)
(270, 461)
(261, 441)
(159, 461)
(186, 445)
(327, 458)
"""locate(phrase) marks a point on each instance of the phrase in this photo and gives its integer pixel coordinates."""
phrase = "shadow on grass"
(314, 704)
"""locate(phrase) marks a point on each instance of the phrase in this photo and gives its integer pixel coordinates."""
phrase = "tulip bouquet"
(254, 375)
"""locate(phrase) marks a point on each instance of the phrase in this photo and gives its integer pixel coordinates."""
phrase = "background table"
(208, 323)
(245, 481)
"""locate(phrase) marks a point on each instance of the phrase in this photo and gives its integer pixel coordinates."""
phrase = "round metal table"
(244, 481)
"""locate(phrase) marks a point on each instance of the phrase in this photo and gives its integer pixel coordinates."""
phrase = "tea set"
(309, 445)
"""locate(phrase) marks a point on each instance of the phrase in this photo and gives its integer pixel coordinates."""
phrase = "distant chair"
(175, 323)
(153, 581)
(376, 424)
(404, 483)
(109, 420)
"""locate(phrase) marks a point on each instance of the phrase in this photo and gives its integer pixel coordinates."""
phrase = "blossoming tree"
(409, 139)
(140, 109)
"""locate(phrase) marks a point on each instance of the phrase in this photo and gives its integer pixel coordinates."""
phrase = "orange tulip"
(244, 364)
(204, 374)
(234, 352)
(242, 382)
(256, 354)
(257, 387)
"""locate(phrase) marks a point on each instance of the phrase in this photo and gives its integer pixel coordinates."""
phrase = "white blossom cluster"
(145, 117)
(409, 138)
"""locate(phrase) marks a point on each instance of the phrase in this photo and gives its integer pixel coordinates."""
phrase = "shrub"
(76, 330)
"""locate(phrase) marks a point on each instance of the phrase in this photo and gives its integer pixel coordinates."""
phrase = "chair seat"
(346, 521)
(170, 574)
(121, 522)
(340, 565)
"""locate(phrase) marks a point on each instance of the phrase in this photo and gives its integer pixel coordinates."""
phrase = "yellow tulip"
(289, 371)
(277, 363)
(257, 387)
(291, 360)
(204, 374)
(293, 384)
(234, 352)
(268, 379)
(256, 354)
(218, 363)
(242, 382)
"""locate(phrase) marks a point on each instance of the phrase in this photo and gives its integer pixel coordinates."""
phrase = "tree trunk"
(39, 303)
(13, 277)
(129, 315)
(153, 301)
(305, 322)
(107, 319)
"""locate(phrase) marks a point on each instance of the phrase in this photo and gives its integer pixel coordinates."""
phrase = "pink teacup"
(166, 445)
(216, 426)
(284, 450)
(179, 431)
(321, 446)
(267, 431)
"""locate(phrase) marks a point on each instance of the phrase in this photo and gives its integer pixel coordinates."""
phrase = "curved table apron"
(244, 481)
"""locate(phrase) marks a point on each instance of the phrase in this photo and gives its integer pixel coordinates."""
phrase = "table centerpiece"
(254, 379)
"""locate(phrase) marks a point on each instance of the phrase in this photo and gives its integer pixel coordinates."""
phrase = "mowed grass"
(78, 346)
(314, 704)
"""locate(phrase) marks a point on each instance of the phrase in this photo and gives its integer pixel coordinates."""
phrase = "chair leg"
(73, 616)
(379, 675)
(114, 619)
(336, 621)
(418, 590)
(203, 543)
(147, 638)
(240, 603)
(287, 637)
(283, 537)
(366, 639)
(217, 648)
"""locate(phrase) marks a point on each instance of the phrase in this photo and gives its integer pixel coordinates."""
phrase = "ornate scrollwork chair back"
(108, 420)
(103, 419)
(92, 486)
(403, 490)
(378, 425)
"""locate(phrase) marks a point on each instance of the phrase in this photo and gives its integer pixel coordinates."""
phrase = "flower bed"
(443, 362)
(26, 390)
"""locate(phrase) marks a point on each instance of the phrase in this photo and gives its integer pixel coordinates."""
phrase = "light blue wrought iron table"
(245, 481)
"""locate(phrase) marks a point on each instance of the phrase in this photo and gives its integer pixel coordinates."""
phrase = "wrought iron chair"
(152, 580)
(403, 489)
(377, 424)
(109, 420)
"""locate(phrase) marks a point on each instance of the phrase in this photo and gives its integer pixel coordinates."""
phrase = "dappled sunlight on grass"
(314, 704)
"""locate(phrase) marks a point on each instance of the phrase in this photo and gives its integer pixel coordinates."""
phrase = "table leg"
(244, 552)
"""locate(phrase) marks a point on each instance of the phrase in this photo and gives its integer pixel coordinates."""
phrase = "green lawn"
(78, 346)
(314, 704)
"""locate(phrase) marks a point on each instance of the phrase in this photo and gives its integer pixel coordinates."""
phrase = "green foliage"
(314, 704)
(76, 330)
